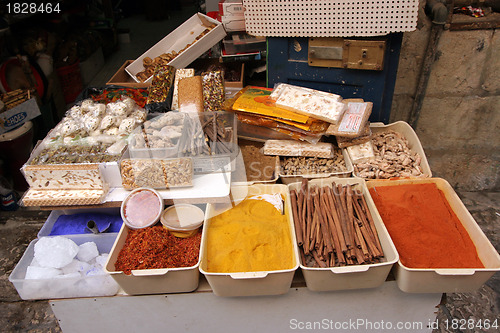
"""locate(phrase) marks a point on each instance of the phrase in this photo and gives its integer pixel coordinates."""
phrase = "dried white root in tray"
(393, 158)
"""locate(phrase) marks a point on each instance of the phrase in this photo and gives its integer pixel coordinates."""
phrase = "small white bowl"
(182, 220)
(142, 208)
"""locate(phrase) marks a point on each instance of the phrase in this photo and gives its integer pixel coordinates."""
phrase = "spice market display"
(311, 185)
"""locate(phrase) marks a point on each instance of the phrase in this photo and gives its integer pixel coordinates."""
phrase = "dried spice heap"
(155, 247)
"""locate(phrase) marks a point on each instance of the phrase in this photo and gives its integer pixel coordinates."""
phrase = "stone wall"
(459, 124)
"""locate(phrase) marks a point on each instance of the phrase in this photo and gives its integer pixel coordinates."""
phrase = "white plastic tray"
(447, 280)
(151, 281)
(353, 276)
(250, 283)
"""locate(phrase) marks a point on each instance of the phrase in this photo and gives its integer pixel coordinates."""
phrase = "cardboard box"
(237, 84)
(233, 23)
(178, 39)
(19, 115)
(122, 78)
(231, 7)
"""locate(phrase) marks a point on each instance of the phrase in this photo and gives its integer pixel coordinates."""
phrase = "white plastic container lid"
(182, 217)
(142, 208)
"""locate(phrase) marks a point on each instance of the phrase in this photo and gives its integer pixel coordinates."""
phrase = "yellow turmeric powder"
(250, 237)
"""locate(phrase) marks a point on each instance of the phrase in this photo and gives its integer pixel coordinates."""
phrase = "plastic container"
(243, 43)
(217, 162)
(250, 283)
(289, 179)
(141, 208)
(413, 280)
(47, 227)
(151, 281)
(89, 286)
(138, 149)
(182, 220)
(353, 276)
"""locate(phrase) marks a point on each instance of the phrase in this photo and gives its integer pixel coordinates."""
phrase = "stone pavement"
(18, 228)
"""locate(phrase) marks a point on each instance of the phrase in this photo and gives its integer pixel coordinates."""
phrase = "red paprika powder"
(155, 247)
(424, 228)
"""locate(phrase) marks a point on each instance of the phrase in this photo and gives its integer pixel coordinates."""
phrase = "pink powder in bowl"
(142, 208)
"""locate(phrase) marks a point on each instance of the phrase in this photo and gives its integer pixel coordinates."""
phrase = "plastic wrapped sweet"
(161, 84)
(90, 122)
(86, 105)
(213, 90)
(118, 108)
(88, 130)
(75, 112)
(163, 131)
(140, 115)
(315, 103)
(353, 121)
(156, 173)
(297, 148)
(180, 73)
(191, 94)
(127, 126)
(112, 131)
(361, 153)
(71, 127)
(97, 110)
(107, 122)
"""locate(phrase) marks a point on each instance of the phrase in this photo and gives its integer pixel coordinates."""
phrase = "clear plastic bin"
(89, 286)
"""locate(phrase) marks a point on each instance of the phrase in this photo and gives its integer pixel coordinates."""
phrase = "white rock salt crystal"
(55, 252)
(87, 251)
(35, 263)
(101, 260)
(95, 271)
(34, 272)
(76, 266)
(74, 275)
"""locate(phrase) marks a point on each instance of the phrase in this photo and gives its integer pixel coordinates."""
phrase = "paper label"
(351, 122)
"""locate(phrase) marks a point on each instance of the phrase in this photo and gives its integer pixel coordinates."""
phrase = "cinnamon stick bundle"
(295, 213)
(335, 226)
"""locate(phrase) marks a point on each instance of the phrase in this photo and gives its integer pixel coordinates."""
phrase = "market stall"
(280, 207)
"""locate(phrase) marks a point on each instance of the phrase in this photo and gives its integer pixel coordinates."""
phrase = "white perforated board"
(340, 18)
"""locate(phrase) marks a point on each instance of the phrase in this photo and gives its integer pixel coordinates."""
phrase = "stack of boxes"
(231, 14)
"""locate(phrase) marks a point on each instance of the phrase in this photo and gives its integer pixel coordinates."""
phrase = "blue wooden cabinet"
(287, 62)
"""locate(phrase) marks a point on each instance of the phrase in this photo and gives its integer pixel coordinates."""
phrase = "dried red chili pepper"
(155, 247)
